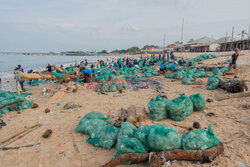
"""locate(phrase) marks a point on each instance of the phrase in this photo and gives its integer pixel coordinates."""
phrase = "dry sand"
(230, 123)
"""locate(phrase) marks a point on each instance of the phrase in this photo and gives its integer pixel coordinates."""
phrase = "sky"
(80, 25)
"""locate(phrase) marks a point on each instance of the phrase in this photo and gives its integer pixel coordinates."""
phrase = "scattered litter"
(70, 106)
(47, 133)
(47, 110)
(2, 123)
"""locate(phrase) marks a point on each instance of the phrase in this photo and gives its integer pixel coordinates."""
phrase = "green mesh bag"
(70, 69)
(87, 126)
(209, 74)
(103, 136)
(169, 76)
(187, 102)
(199, 139)
(78, 81)
(217, 71)
(34, 82)
(141, 134)
(128, 145)
(158, 109)
(187, 80)
(199, 102)
(178, 75)
(227, 61)
(58, 75)
(90, 121)
(212, 83)
(94, 115)
(177, 111)
(127, 129)
(224, 69)
(161, 138)
(147, 74)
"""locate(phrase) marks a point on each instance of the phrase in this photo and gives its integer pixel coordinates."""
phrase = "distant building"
(243, 44)
(204, 44)
(157, 50)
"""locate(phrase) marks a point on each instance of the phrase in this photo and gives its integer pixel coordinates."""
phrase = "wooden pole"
(18, 133)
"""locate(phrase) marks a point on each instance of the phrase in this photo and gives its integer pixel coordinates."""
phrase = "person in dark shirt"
(232, 63)
(49, 68)
(182, 62)
(30, 72)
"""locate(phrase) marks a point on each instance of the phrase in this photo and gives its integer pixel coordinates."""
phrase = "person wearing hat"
(232, 63)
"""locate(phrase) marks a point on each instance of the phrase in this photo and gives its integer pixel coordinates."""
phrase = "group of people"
(85, 71)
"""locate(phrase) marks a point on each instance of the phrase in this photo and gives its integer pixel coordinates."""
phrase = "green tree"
(104, 52)
(133, 50)
(178, 42)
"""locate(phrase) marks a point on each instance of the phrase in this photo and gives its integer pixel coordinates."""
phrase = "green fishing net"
(141, 134)
(199, 102)
(157, 109)
(161, 137)
(127, 129)
(90, 122)
(87, 126)
(128, 145)
(7, 97)
(217, 71)
(187, 102)
(199, 139)
(177, 111)
(103, 136)
(212, 83)
(58, 75)
(187, 80)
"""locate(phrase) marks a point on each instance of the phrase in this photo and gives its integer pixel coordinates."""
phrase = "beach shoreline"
(230, 121)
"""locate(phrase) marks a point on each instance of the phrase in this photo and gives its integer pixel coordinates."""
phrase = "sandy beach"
(229, 121)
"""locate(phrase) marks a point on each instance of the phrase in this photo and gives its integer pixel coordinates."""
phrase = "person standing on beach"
(17, 77)
(232, 63)
(49, 68)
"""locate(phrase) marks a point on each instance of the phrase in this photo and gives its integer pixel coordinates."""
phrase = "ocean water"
(8, 62)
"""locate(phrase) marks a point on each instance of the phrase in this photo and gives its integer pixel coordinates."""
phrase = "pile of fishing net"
(149, 71)
(203, 57)
(70, 69)
(108, 86)
(7, 97)
(177, 109)
(147, 138)
(212, 83)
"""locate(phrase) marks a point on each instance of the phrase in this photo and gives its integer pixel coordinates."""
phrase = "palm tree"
(242, 34)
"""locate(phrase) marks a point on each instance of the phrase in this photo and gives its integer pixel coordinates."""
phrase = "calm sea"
(35, 62)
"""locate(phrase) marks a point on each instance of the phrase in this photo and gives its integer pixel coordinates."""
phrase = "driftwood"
(158, 158)
(17, 147)
(231, 96)
(58, 69)
(37, 76)
(19, 132)
(14, 102)
(233, 86)
(127, 115)
(132, 116)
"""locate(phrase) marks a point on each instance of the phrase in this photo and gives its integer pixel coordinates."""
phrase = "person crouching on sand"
(232, 63)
